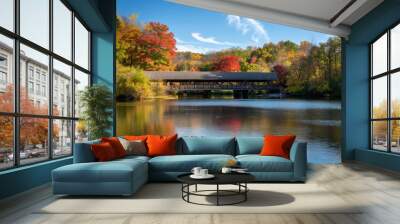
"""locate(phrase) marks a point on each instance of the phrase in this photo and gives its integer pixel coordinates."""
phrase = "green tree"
(132, 82)
(97, 103)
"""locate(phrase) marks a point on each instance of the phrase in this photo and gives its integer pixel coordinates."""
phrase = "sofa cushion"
(277, 145)
(161, 145)
(135, 147)
(116, 145)
(257, 163)
(103, 152)
(185, 163)
(249, 145)
(207, 145)
(112, 171)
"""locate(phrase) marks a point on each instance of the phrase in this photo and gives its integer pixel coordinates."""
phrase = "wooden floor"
(378, 189)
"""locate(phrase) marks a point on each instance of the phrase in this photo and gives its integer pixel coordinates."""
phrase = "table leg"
(217, 194)
(188, 189)
(195, 188)
(245, 193)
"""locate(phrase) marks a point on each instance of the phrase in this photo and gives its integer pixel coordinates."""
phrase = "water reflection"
(317, 122)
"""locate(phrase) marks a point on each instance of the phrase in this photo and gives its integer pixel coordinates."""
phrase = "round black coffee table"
(238, 179)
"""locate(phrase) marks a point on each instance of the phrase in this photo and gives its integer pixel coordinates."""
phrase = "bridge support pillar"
(245, 94)
(241, 94)
(207, 94)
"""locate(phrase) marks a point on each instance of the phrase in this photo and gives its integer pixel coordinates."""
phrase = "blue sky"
(200, 30)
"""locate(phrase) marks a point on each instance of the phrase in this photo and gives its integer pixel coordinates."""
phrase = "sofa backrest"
(195, 145)
(249, 145)
(83, 152)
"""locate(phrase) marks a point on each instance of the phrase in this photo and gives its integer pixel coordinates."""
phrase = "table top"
(220, 178)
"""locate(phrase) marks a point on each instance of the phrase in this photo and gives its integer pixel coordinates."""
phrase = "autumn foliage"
(33, 130)
(151, 47)
(303, 69)
(228, 64)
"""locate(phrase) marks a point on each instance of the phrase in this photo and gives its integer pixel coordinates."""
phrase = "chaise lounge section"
(125, 176)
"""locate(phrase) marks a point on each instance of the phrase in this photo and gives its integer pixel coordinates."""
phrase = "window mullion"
(73, 82)
(389, 106)
(50, 81)
(16, 69)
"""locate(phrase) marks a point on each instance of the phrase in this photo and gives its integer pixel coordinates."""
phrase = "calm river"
(317, 122)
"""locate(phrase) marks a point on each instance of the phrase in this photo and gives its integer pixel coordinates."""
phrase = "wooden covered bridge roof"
(211, 76)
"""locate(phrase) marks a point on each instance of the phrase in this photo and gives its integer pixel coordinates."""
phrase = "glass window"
(62, 71)
(34, 21)
(62, 29)
(379, 133)
(379, 98)
(395, 47)
(30, 87)
(33, 140)
(385, 125)
(379, 56)
(7, 14)
(62, 138)
(31, 74)
(395, 136)
(34, 79)
(6, 75)
(81, 131)
(6, 142)
(81, 82)
(395, 95)
(40, 62)
(81, 45)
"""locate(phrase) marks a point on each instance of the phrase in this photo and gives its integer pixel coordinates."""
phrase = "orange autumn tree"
(151, 47)
(33, 130)
(159, 47)
(228, 63)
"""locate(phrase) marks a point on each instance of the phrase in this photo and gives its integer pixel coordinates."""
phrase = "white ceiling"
(316, 15)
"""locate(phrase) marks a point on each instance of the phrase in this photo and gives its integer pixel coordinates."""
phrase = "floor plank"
(376, 189)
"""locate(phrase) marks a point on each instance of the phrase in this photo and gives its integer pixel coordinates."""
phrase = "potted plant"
(96, 102)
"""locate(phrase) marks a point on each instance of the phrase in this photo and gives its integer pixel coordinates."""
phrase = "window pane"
(6, 142)
(62, 29)
(395, 132)
(379, 55)
(395, 47)
(33, 139)
(62, 89)
(379, 97)
(7, 14)
(395, 95)
(35, 21)
(62, 138)
(81, 82)
(6, 74)
(81, 45)
(81, 131)
(379, 135)
(34, 97)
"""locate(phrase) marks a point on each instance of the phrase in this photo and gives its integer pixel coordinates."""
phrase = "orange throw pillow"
(116, 145)
(103, 152)
(136, 137)
(161, 145)
(277, 145)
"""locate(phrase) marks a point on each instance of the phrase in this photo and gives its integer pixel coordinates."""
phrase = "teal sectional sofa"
(125, 176)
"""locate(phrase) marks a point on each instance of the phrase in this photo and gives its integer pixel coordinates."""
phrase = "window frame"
(16, 114)
(388, 74)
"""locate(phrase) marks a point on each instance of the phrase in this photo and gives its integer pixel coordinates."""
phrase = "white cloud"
(236, 21)
(211, 40)
(193, 48)
(255, 29)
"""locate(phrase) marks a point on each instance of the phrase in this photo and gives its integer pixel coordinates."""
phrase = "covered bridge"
(208, 81)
